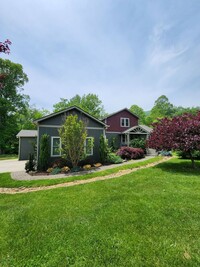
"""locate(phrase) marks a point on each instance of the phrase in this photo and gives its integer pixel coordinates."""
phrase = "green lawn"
(148, 218)
(7, 156)
(7, 181)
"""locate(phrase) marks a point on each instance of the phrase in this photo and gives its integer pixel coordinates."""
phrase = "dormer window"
(124, 122)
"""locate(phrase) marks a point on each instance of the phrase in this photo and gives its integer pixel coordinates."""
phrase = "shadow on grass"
(180, 166)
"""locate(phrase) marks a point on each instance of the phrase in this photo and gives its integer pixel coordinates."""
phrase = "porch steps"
(151, 152)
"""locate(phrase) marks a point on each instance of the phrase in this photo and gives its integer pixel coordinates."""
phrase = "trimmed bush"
(30, 164)
(44, 153)
(103, 149)
(113, 144)
(165, 153)
(138, 143)
(128, 153)
(56, 171)
(114, 159)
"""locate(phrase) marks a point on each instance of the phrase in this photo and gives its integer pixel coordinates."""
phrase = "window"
(125, 122)
(123, 139)
(55, 146)
(89, 146)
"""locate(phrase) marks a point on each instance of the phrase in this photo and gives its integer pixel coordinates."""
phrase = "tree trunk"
(192, 159)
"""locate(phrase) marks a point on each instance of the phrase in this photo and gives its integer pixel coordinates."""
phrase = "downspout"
(19, 148)
(37, 156)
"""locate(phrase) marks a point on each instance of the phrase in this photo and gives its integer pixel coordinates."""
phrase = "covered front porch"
(139, 131)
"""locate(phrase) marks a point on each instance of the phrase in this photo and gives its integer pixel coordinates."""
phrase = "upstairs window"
(125, 122)
(55, 146)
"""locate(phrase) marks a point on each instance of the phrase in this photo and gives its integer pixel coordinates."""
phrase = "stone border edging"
(18, 190)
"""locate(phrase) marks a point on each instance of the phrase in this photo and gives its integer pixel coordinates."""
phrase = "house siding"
(95, 133)
(58, 120)
(52, 125)
(113, 121)
(26, 147)
(117, 137)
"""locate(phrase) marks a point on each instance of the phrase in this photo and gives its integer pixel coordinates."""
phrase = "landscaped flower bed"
(66, 170)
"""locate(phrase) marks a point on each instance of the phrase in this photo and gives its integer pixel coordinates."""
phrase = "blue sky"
(125, 51)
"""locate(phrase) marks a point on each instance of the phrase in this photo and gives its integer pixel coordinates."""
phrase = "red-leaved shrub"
(126, 152)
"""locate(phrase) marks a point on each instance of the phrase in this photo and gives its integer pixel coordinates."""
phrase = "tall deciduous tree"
(179, 133)
(139, 112)
(73, 136)
(162, 108)
(182, 110)
(31, 113)
(12, 102)
(90, 103)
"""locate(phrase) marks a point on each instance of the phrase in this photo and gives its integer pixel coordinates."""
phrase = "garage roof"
(27, 133)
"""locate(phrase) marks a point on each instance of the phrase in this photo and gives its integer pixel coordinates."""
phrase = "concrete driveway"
(12, 165)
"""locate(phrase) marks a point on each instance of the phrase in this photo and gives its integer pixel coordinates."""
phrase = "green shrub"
(56, 170)
(138, 143)
(113, 144)
(76, 169)
(165, 153)
(184, 155)
(44, 153)
(30, 164)
(103, 149)
(113, 158)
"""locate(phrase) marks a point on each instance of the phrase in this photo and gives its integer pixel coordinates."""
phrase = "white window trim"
(52, 137)
(92, 150)
(121, 119)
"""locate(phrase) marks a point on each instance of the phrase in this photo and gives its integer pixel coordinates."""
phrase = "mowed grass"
(8, 156)
(7, 181)
(148, 218)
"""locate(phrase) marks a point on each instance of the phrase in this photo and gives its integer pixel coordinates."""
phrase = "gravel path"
(69, 184)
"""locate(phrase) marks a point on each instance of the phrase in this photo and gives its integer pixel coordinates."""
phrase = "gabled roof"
(68, 109)
(27, 133)
(138, 128)
(124, 109)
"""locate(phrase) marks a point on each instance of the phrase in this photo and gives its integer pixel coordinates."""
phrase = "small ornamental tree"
(4, 46)
(44, 153)
(179, 133)
(73, 136)
(103, 149)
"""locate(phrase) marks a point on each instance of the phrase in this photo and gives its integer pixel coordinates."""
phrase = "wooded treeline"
(16, 113)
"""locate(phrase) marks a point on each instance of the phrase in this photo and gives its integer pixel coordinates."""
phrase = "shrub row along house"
(121, 127)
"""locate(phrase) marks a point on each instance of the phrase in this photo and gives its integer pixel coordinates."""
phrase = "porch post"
(128, 139)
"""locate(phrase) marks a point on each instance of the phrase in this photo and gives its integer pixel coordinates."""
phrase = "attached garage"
(27, 143)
